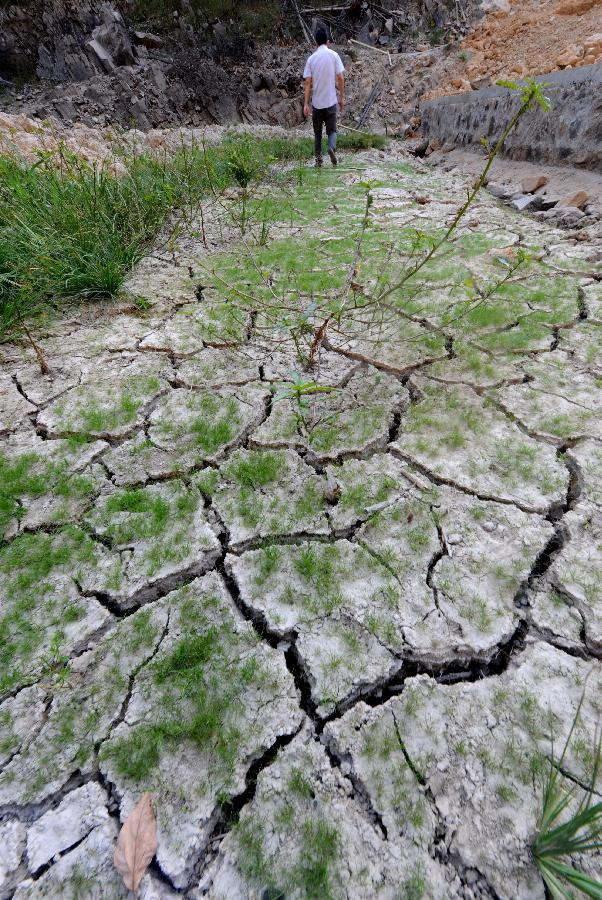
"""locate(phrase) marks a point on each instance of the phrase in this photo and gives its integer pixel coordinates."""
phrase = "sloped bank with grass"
(72, 231)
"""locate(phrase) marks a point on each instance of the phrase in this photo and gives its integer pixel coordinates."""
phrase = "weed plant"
(568, 826)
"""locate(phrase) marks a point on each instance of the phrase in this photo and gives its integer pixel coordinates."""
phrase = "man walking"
(324, 72)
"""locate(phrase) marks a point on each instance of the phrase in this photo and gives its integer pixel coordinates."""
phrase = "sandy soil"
(529, 40)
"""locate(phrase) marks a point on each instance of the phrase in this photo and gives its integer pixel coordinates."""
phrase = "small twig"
(525, 105)
(44, 367)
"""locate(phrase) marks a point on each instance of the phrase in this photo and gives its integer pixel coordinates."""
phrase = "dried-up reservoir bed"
(330, 630)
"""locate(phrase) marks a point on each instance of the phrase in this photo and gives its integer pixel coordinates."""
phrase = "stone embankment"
(570, 134)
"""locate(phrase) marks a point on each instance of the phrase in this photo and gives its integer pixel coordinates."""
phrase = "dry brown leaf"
(137, 843)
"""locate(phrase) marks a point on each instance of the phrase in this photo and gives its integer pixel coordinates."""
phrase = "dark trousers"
(328, 117)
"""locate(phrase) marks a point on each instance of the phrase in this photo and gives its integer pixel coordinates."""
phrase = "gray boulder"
(522, 202)
(499, 191)
(110, 44)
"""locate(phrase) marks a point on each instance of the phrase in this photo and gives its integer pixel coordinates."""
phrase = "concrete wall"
(571, 133)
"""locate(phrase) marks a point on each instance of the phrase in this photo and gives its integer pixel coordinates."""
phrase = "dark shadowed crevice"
(21, 390)
(582, 304)
(41, 870)
(542, 563)
(343, 763)
(29, 812)
(227, 813)
(395, 425)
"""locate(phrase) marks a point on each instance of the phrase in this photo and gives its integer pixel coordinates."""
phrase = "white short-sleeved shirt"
(322, 67)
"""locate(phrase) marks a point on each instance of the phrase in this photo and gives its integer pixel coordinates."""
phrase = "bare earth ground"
(330, 638)
(563, 181)
(532, 37)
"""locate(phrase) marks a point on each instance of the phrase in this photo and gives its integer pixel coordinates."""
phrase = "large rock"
(525, 201)
(571, 57)
(110, 43)
(148, 40)
(532, 183)
(577, 200)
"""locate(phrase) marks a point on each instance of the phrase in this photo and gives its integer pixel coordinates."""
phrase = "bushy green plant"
(78, 231)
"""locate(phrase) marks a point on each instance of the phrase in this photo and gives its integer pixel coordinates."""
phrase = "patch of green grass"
(267, 563)
(79, 884)
(355, 497)
(75, 232)
(148, 515)
(418, 539)
(312, 873)
(253, 862)
(478, 612)
(310, 502)
(215, 427)
(505, 793)
(298, 784)
(319, 849)
(30, 558)
(360, 494)
(257, 468)
(316, 564)
(143, 631)
(207, 482)
(29, 476)
(96, 420)
(199, 685)
(415, 885)
(32, 607)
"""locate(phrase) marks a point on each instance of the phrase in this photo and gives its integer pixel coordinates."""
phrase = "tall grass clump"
(75, 231)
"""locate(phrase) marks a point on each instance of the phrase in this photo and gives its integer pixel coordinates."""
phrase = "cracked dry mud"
(330, 639)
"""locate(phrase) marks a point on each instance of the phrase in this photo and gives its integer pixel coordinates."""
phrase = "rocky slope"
(86, 63)
(528, 38)
(98, 64)
(91, 63)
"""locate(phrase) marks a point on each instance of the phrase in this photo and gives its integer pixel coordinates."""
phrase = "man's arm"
(306, 109)
(341, 87)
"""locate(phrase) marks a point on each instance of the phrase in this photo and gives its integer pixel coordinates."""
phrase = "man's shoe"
(333, 156)
(318, 162)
